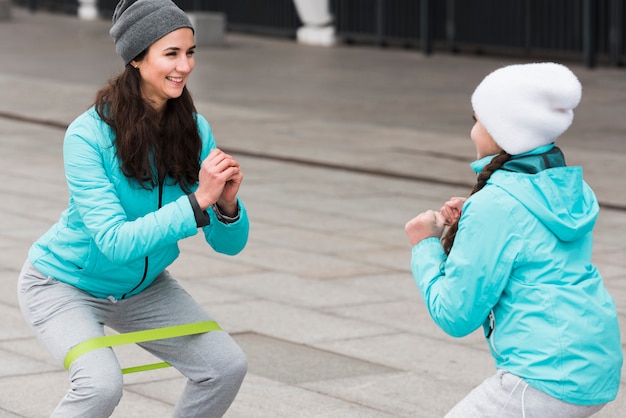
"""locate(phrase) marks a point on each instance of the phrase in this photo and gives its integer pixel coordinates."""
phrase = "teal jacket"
(521, 267)
(113, 239)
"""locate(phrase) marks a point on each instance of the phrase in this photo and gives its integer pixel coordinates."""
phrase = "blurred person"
(143, 172)
(516, 257)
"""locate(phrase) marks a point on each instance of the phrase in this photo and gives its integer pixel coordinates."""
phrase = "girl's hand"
(219, 180)
(425, 225)
(451, 210)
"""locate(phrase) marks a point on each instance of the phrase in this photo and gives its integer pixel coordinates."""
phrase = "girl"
(143, 172)
(516, 257)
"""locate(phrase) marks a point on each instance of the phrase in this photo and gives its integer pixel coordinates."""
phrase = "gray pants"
(63, 316)
(508, 396)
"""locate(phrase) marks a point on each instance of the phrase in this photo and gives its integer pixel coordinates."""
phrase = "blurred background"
(588, 30)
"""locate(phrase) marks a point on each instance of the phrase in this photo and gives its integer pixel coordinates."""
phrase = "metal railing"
(265, 17)
(587, 29)
(275, 17)
(60, 6)
(591, 30)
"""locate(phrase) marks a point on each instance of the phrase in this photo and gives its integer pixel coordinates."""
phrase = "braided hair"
(497, 162)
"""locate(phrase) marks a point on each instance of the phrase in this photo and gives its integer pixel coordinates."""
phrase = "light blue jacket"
(113, 240)
(521, 267)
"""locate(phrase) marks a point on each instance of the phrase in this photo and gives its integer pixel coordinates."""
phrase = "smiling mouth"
(175, 79)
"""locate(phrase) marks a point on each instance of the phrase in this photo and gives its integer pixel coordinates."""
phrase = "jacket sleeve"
(229, 239)
(87, 162)
(461, 289)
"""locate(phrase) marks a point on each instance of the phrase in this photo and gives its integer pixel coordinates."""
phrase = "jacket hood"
(557, 196)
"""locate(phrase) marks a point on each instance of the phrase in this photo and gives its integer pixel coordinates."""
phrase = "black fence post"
(528, 27)
(616, 32)
(380, 23)
(426, 31)
(450, 26)
(589, 33)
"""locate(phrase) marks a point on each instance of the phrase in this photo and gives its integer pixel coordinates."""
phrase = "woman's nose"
(185, 64)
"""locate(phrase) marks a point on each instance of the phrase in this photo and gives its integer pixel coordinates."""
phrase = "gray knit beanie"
(137, 24)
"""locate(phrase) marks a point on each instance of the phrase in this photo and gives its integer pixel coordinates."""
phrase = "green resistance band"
(139, 337)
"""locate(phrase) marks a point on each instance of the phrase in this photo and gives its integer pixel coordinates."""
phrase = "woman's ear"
(135, 64)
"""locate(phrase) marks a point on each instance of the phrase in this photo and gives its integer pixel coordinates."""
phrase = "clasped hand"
(432, 223)
(219, 180)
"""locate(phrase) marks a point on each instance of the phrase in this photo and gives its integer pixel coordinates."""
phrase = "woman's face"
(166, 67)
(484, 143)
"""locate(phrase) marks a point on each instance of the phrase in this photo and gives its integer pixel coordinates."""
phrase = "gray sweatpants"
(63, 316)
(507, 396)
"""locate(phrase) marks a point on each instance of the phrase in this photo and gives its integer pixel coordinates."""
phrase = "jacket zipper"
(145, 273)
(145, 268)
(492, 329)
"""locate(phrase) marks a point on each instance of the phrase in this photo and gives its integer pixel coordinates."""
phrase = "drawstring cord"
(523, 394)
(509, 398)
(511, 394)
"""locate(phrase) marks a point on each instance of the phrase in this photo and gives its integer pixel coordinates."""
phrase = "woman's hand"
(219, 180)
(451, 210)
(425, 225)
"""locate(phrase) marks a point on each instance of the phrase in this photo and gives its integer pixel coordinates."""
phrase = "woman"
(143, 172)
(516, 258)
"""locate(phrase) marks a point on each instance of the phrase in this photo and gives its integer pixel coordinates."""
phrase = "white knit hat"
(526, 106)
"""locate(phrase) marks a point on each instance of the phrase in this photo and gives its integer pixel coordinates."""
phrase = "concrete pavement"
(340, 147)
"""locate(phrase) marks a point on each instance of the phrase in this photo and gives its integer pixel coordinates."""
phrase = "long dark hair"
(149, 145)
(497, 162)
